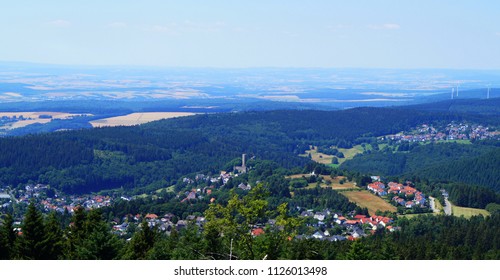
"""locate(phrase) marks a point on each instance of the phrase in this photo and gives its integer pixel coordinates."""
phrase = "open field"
(411, 216)
(327, 159)
(468, 212)
(336, 185)
(33, 117)
(335, 182)
(318, 157)
(350, 153)
(369, 200)
(137, 118)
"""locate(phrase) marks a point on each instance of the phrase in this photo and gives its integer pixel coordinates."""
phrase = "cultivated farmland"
(137, 118)
(21, 119)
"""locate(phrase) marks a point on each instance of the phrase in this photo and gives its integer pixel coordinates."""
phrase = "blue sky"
(369, 34)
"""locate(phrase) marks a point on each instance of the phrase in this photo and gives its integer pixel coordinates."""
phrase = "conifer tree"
(141, 243)
(33, 240)
(54, 238)
(7, 239)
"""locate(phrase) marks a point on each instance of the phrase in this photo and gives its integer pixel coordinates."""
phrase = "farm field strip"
(33, 117)
(137, 118)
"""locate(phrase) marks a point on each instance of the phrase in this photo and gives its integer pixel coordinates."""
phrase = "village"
(452, 131)
(322, 225)
(402, 194)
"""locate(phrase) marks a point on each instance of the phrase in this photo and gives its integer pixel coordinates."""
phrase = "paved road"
(447, 206)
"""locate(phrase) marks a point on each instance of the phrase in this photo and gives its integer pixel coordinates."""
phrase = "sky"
(448, 34)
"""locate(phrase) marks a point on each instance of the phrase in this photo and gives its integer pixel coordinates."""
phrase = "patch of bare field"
(24, 123)
(369, 200)
(137, 118)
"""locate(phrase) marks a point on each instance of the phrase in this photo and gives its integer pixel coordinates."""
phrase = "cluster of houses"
(165, 223)
(351, 226)
(452, 131)
(39, 194)
(404, 195)
(200, 192)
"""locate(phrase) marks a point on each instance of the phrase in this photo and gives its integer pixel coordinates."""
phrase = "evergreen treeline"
(471, 196)
(40, 237)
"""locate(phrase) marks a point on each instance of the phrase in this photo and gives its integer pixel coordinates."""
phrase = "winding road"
(446, 208)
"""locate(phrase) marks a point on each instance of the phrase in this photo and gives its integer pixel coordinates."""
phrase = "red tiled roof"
(257, 232)
(151, 216)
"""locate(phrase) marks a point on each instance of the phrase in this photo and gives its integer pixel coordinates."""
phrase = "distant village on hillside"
(452, 131)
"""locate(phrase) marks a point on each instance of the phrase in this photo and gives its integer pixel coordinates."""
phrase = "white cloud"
(498, 34)
(385, 26)
(60, 23)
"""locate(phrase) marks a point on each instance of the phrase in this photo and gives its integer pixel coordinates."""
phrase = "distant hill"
(469, 106)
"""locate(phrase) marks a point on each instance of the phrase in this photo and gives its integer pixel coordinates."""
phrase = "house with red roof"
(409, 204)
(257, 231)
(151, 216)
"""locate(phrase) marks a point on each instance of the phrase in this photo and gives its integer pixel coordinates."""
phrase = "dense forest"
(158, 153)
(469, 106)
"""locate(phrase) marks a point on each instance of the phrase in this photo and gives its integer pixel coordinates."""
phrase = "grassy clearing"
(334, 182)
(137, 118)
(350, 153)
(327, 159)
(468, 212)
(336, 185)
(167, 189)
(411, 216)
(318, 157)
(369, 200)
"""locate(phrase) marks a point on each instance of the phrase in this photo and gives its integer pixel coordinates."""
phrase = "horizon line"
(62, 65)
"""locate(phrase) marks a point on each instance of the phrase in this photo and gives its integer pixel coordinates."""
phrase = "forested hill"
(157, 154)
(468, 106)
